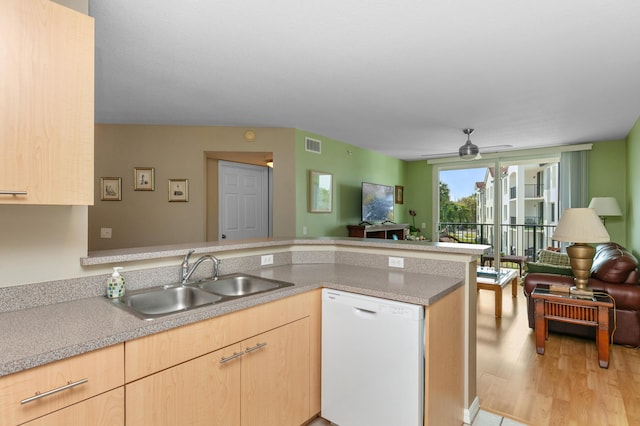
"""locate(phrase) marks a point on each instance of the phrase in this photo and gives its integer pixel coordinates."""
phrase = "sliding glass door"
(511, 205)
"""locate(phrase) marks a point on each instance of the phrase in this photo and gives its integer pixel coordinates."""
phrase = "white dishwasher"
(372, 360)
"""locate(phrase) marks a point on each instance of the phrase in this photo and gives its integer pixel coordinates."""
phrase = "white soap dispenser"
(115, 284)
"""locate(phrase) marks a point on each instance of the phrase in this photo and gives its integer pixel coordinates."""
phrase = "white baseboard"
(471, 412)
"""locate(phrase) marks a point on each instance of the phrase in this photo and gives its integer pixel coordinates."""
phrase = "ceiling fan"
(468, 151)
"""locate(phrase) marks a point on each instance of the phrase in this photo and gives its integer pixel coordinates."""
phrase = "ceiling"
(399, 77)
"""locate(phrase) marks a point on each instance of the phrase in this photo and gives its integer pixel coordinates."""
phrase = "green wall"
(418, 191)
(607, 178)
(350, 166)
(609, 175)
(632, 211)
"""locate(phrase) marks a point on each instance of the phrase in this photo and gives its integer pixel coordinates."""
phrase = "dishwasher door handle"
(364, 312)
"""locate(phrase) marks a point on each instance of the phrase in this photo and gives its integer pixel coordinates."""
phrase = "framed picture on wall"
(143, 179)
(399, 194)
(178, 190)
(320, 192)
(111, 189)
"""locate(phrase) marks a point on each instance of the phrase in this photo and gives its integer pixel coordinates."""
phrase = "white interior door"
(243, 201)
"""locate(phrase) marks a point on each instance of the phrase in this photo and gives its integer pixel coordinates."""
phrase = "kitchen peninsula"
(439, 276)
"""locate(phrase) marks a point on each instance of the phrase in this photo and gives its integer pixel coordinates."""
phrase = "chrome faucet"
(185, 265)
(187, 272)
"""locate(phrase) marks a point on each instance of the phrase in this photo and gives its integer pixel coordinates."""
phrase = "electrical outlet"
(424, 225)
(267, 259)
(396, 262)
(105, 232)
(304, 230)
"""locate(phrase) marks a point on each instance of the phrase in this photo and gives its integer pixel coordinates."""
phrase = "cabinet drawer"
(60, 384)
(102, 410)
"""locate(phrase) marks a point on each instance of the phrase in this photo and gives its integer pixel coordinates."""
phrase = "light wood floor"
(564, 386)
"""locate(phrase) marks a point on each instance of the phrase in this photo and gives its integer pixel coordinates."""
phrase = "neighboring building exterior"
(528, 207)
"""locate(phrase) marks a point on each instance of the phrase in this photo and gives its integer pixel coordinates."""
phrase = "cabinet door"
(46, 103)
(203, 391)
(275, 377)
(102, 410)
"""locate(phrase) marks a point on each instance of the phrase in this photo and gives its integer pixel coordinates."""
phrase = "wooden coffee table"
(506, 276)
(555, 306)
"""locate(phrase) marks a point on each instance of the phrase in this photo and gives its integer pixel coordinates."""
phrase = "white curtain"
(574, 180)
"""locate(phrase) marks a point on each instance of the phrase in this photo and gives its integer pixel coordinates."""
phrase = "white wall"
(41, 243)
(79, 5)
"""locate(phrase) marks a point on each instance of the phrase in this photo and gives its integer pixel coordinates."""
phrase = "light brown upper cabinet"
(46, 104)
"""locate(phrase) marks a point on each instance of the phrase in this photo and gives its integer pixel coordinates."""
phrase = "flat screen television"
(377, 203)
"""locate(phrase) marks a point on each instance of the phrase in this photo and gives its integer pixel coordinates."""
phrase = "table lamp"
(581, 226)
(605, 206)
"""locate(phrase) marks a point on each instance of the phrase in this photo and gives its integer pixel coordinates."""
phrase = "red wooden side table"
(557, 306)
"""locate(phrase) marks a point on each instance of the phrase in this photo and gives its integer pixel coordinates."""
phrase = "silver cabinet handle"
(255, 348)
(39, 395)
(8, 192)
(229, 358)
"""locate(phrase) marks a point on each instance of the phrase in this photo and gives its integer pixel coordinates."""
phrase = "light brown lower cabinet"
(263, 380)
(275, 377)
(210, 373)
(102, 410)
(200, 391)
(59, 392)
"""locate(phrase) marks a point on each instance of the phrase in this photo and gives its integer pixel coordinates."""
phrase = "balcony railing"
(533, 220)
(528, 220)
(532, 190)
(515, 239)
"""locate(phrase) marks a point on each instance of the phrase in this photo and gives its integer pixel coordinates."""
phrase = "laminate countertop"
(37, 336)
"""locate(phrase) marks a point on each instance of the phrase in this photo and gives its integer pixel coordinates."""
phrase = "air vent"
(313, 145)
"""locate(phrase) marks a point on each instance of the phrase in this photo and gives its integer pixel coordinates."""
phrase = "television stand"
(378, 231)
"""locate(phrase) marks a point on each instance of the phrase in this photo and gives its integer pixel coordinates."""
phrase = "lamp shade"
(581, 225)
(605, 206)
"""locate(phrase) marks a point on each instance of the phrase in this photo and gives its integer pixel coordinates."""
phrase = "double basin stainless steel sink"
(157, 302)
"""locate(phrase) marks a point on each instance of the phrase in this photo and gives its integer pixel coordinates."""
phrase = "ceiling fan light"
(468, 151)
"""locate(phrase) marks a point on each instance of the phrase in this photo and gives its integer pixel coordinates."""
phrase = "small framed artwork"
(399, 194)
(320, 192)
(178, 190)
(111, 189)
(143, 179)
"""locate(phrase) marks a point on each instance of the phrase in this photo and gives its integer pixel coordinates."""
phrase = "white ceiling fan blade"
(495, 146)
(455, 153)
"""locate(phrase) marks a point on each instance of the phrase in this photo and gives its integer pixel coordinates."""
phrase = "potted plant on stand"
(414, 233)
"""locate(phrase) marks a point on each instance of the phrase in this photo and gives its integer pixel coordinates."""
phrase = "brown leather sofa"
(614, 271)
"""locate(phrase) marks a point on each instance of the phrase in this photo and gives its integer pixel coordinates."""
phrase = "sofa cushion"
(546, 268)
(613, 263)
(553, 258)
